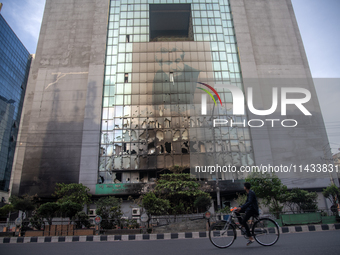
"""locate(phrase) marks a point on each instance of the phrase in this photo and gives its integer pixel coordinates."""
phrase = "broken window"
(185, 147)
(168, 147)
(127, 38)
(126, 177)
(170, 22)
(143, 177)
(185, 135)
(134, 177)
(126, 78)
(126, 162)
(177, 135)
(151, 148)
(171, 77)
(160, 135)
(118, 177)
(117, 163)
(152, 176)
(167, 123)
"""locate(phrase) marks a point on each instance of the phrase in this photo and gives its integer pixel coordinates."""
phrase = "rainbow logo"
(209, 93)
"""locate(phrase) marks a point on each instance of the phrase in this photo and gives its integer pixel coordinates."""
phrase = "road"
(315, 243)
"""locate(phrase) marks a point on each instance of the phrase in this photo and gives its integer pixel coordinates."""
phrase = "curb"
(140, 237)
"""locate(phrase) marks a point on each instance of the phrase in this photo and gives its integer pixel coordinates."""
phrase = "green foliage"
(74, 192)
(301, 201)
(224, 210)
(6, 209)
(180, 190)
(48, 211)
(82, 219)
(70, 209)
(109, 208)
(331, 193)
(178, 169)
(154, 205)
(203, 202)
(241, 199)
(25, 203)
(36, 221)
(133, 224)
(270, 188)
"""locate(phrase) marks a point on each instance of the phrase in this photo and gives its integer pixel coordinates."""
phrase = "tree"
(48, 211)
(332, 194)
(70, 209)
(154, 205)
(241, 199)
(301, 200)
(74, 192)
(36, 221)
(109, 208)
(180, 189)
(203, 202)
(6, 209)
(25, 203)
(82, 219)
(177, 169)
(270, 188)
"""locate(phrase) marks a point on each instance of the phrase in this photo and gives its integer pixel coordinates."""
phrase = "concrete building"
(113, 100)
(14, 66)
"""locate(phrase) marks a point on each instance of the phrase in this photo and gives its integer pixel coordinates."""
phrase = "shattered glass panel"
(176, 135)
(151, 122)
(160, 135)
(185, 135)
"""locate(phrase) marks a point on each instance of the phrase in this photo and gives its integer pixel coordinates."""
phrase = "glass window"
(129, 22)
(119, 99)
(122, 47)
(198, 29)
(137, 22)
(122, 30)
(128, 57)
(120, 88)
(123, 15)
(121, 57)
(197, 21)
(129, 30)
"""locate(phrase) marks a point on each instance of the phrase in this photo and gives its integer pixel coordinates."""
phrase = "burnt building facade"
(115, 94)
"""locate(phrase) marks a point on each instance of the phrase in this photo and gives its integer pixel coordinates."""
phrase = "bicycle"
(265, 231)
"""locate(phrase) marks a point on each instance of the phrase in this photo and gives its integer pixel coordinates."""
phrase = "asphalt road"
(313, 243)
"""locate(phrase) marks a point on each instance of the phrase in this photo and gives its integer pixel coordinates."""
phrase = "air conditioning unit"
(135, 211)
(92, 212)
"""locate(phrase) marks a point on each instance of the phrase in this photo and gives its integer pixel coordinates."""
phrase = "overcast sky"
(319, 24)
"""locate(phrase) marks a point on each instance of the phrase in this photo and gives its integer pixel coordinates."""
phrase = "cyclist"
(250, 208)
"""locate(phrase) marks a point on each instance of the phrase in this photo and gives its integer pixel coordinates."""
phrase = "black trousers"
(243, 221)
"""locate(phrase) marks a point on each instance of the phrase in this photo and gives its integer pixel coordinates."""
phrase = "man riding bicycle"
(250, 208)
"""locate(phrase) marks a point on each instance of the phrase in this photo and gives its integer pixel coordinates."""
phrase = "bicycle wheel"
(222, 234)
(266, 231)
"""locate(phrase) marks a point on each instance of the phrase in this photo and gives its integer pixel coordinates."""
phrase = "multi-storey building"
(14, 66)
(114, 95)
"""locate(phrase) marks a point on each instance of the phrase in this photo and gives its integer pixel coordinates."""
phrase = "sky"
(318, 21)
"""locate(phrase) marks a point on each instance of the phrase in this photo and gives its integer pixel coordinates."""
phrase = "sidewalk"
(140, 237)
